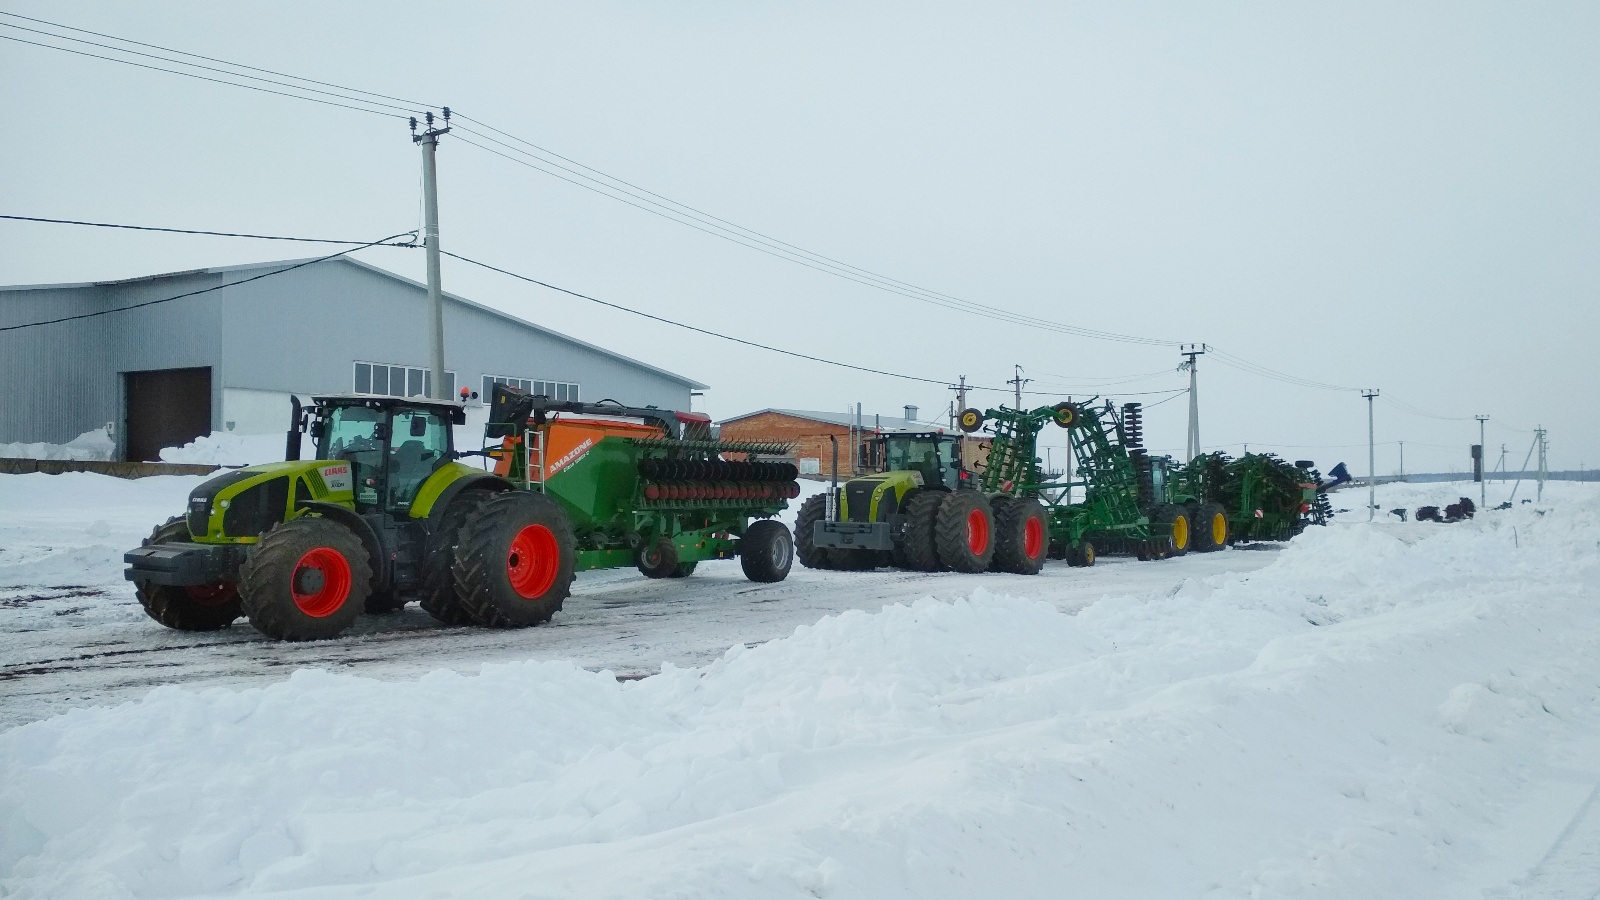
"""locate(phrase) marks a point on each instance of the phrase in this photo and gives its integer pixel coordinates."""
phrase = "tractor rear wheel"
(656, 559)
(307, 580)
(206, 607)
(1210, 525)
(766, 551)
(965, 531)
(514, 562)
(814, 510)
(439, 555)
(1021, 535)
(918, 548)
(1172, 519)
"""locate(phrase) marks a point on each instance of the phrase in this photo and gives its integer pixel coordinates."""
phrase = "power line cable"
(62, 37)
(252, 87)
(232, 234)
(942, 382)
(784, 250)
(224, 62)
(215, 287)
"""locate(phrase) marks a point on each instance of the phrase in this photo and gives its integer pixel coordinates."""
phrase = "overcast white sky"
(1401, 196)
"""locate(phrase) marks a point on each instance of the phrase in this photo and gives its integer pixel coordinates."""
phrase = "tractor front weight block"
(853, 535)
(183, 564)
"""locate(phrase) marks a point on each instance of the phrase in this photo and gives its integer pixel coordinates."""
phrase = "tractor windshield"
(352, 434)
(421, 441)
(928, 455)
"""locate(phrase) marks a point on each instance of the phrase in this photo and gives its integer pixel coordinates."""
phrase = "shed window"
(555, 390)
(397, 381)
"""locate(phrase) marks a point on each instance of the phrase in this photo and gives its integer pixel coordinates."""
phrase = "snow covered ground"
(95, 444)
(1399, 710)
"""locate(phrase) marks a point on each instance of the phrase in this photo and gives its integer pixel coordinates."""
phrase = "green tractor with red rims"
(387, 513)
(924, 512)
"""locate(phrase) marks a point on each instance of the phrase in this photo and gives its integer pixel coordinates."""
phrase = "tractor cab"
(933, 455)
(392, 444)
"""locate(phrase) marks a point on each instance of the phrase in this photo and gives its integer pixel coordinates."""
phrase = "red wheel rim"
(533, 561)
(209, 594)
(977, 532)
(336, 580)
(1033, 538)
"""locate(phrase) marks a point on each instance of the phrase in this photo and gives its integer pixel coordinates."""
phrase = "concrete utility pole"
(430, 234)
(961, 396)
(1192, 351)
(1402, 460)
(1372, 458)
(1543, 444)
(1483, 475)
(1019, 381)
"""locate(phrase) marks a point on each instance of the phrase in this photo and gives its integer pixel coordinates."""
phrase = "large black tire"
(766, 551)
(1021, 535)
(307, 580)
(656, 559)
(683, 569)
(439, 556)
(964, 532)
(189, 608)
(918, 549)
(1210, 528)
(514, 561)
(1173, 520)
(814, 510)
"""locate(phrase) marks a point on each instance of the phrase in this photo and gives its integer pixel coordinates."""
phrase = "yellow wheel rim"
(1180, 532)
(1219, 529)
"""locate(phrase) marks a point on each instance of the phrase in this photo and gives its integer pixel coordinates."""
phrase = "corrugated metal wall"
(297, 332)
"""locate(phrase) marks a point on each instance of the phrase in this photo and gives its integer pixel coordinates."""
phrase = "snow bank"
(224, 448)
(1380, 712)
(95, 444)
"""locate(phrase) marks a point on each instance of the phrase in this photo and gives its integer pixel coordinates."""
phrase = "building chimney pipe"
(911, 413)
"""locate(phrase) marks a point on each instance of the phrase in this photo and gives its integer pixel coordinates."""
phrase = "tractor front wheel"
(766, 551)
(1172, 519)
(965, 531)
(307, 580)
(814, 510)
(1022, 535)
(514, 561)
(206, 607)
(918, 547)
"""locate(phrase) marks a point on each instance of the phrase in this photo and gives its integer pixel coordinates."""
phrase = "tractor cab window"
(354, 434)
(420, 442)
(929, 456)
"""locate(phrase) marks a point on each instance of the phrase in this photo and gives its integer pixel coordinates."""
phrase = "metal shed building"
(227, 360)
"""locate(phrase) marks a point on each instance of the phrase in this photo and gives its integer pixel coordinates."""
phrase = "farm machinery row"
(387, 513)
(926, 512)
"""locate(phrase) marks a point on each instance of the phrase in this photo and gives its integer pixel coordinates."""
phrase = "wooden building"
(813, 434)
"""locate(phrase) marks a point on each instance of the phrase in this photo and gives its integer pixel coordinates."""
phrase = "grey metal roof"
(869, 421)
(247, 267)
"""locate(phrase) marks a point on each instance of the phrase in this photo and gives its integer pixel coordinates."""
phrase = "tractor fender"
(483, 481)
(363, 530)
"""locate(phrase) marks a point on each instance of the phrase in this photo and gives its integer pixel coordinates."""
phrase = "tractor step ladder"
(533, 440)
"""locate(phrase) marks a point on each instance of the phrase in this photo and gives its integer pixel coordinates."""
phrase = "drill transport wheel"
(766, 551)
(1022, 535)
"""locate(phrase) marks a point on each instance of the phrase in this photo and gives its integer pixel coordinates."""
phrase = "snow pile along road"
(1406, 711)
(94, 444)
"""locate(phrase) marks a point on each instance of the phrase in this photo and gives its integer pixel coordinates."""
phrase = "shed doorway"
(165, 408)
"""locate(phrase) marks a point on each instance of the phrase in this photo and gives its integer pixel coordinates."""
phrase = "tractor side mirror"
(419, 426)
